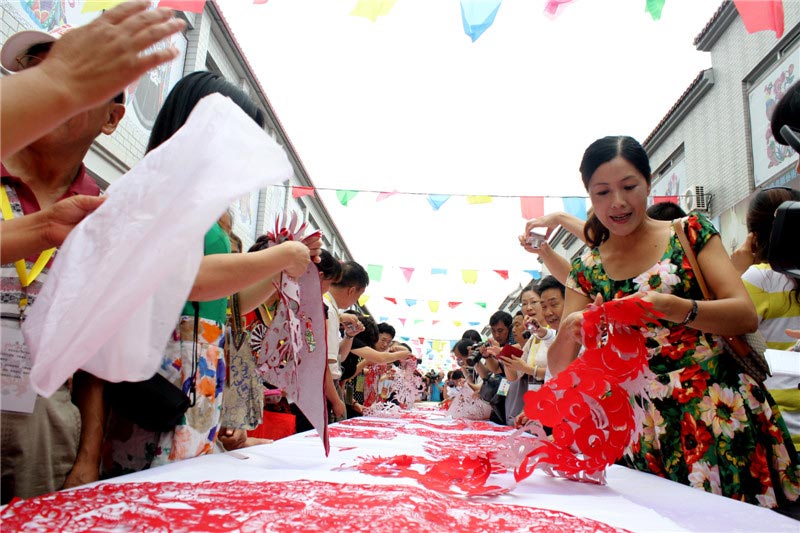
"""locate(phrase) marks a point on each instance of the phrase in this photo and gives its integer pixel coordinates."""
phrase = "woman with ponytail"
(706, 424)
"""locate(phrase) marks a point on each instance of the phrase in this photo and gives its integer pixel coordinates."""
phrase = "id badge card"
(502, 390)
(15, 360)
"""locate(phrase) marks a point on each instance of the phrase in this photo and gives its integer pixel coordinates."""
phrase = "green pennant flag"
(481, 304)
(375, 272)
(345, 196)
(654, 7)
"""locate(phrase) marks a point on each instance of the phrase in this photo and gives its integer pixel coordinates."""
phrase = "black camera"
(783, 255)
(432, 375)
(451, 383)
(475, 355)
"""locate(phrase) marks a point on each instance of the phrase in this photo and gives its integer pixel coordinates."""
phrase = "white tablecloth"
(632, 500)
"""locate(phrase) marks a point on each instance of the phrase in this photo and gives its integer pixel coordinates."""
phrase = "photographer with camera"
(435, 380)
(483, 358)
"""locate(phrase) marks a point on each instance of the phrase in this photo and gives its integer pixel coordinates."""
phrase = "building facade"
(207, 44)
(714, 147)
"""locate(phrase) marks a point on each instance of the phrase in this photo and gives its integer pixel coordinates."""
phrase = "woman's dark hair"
(472, 336)
(462, 347)
(598, 153)
(665, 211)
(370, 334)
(786, 113)
(329, 266)
(457, 374)
(760, 217)
(184, 97)
(384, 327)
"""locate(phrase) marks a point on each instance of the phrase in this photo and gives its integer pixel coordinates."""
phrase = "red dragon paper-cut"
(589, 405)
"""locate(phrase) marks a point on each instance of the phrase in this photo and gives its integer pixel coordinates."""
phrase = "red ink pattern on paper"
(279, 507)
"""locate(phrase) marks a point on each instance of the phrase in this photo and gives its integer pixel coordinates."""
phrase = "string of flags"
(468, 276)
(530, 206)
(478, 15)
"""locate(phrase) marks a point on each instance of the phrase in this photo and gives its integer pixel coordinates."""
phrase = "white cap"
(22, 41)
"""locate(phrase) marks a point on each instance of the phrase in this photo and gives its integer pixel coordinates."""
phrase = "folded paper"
(119, 282)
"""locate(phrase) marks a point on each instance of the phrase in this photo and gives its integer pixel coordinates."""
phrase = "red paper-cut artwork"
(280, 507)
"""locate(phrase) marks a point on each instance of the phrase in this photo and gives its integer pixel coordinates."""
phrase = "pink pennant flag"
(298, 192)
(384, 195)
(407, 271)
(761, 15)
(192, 6)
(553, 7)
(434, 322)
(502, 273)
(402, 321)
(453, 305)
(260, 1)
(393, 300)
(531, 206)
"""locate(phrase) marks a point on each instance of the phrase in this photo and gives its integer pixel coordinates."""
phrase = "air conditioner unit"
(702, 201)
(696, 199)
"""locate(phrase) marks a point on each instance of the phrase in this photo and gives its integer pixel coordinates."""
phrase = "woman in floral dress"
(706, 424)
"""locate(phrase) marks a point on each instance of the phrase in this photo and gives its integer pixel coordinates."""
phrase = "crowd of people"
(707, 423)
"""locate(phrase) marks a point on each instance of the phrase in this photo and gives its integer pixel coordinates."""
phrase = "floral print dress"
(128, 447)
(706, 425)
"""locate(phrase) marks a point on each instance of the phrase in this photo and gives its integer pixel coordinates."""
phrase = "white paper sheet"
(121, 278)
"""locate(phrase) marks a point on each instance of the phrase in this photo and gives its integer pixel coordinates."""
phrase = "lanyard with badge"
(17, 394)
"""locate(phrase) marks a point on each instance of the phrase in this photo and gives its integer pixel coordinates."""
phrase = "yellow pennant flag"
(469, 276)
(479, 199)
(372, 9)
(457, 323)
(363, 299)
(434, 306)
(90, 6)
(438, 346)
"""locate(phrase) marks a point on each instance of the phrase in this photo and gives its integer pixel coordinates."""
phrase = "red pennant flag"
(422, 340)
(393, 300)
(407, 271)
(453, 305)
(502, 273)
(761, 15)
(193, 6)
(298, 192)
(532, 206)
(434, 322)
(662, 199)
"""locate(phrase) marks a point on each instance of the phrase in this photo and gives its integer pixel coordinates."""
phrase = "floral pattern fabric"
(129, 448)
(706, 425)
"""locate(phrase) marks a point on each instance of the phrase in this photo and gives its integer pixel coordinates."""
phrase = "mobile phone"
(535, 240)
(510, 351)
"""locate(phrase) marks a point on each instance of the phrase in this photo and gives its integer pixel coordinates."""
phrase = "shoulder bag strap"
(195, 361)
(692, 258)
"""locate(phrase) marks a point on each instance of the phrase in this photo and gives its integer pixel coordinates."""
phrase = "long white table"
(630, 500)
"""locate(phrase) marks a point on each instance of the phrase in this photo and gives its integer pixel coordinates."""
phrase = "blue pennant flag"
(437, 200)
(478, 15)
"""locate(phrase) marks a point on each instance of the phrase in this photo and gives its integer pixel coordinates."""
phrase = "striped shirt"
(777, 307)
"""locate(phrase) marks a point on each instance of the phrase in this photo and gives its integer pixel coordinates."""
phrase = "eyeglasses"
(28, 61)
